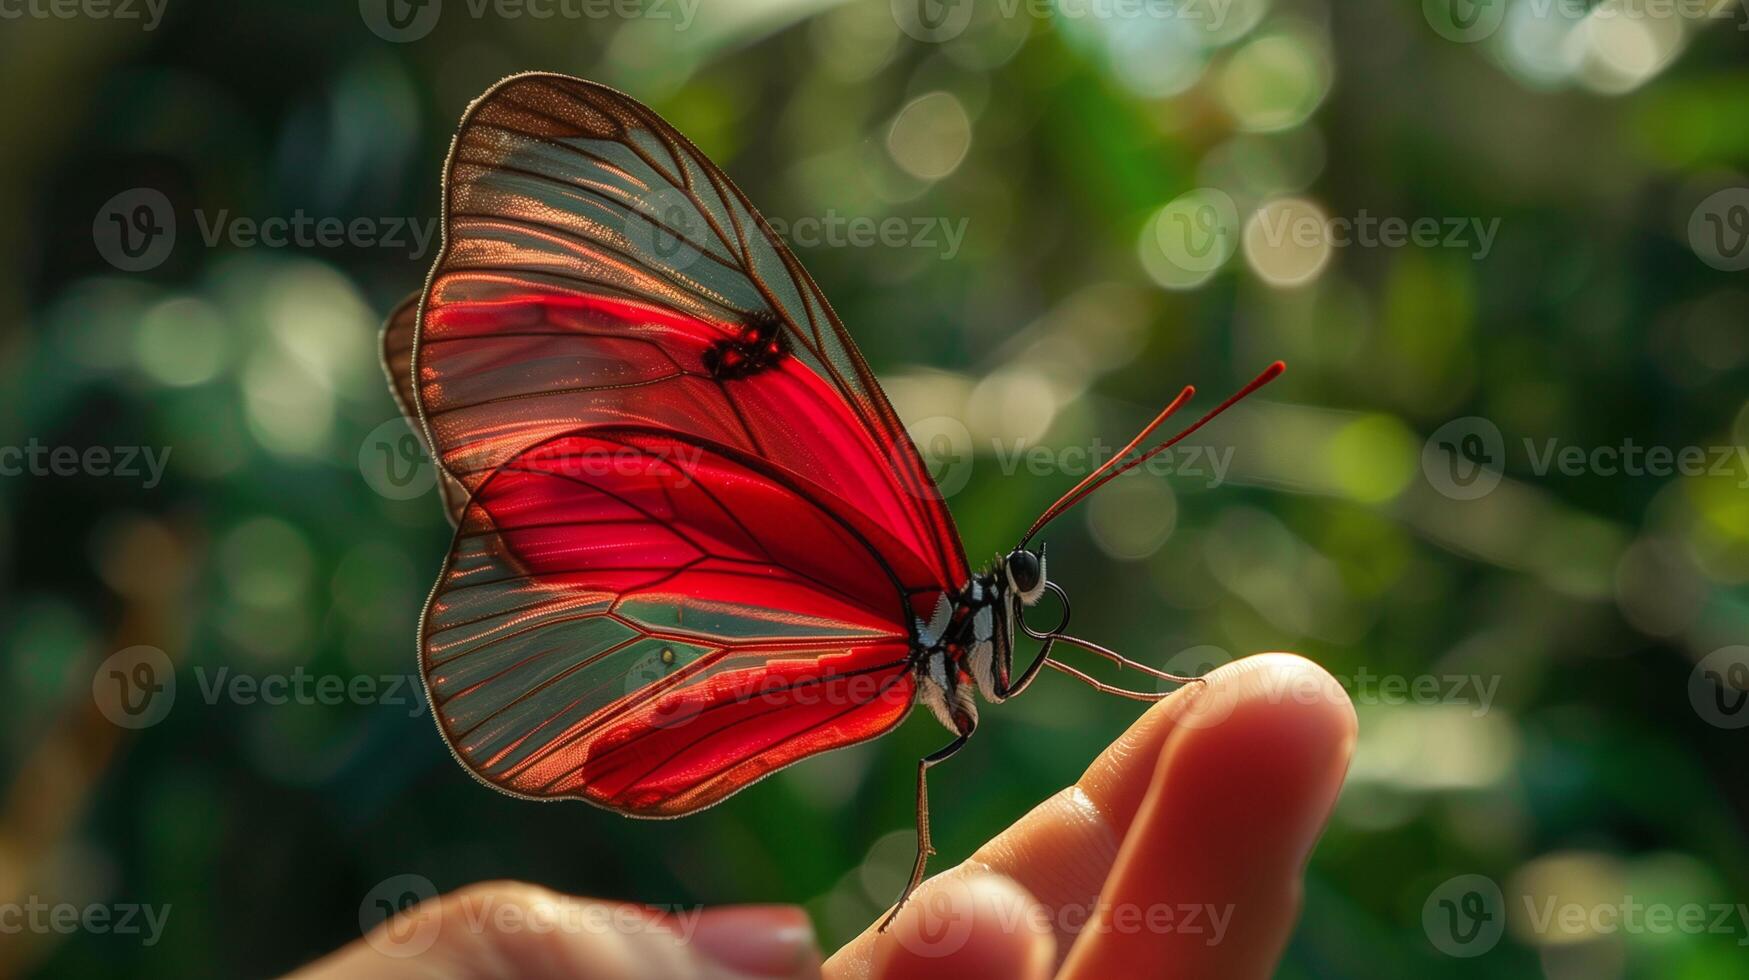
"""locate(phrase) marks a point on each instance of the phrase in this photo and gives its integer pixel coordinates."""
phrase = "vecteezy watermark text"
(300, 230)
(1465, 458)
(1207, 463)
(149, 13)
(950, 454)
(1364, 686)
(402, 916)
(402, 21)
(1634, 460)
(302, 687)
(35, 915)
(937, 21)
(143, 463)
(1280, 226)
(946, 904)
(1548, 914)
(833, 230)
(135, 688)
(1470, 21)
(136, 230)
(393, 460)
(1465, 916)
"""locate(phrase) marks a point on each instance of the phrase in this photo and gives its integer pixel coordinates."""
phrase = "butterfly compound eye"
(1023, 569)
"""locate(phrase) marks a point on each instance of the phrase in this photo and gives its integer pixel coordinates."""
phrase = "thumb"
(503, 929)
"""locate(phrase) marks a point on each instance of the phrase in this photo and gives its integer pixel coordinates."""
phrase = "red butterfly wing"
(602, 283)
(592, 256)
(650, 623)
(397, 358)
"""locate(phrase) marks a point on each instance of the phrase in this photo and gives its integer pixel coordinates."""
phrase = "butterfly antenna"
(1116, 466)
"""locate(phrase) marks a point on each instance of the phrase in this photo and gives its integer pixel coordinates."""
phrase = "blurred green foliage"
(1059, 144)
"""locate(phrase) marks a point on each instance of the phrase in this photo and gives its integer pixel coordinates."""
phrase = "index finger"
(1066, 848)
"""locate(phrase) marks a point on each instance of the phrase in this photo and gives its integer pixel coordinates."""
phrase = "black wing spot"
(757, 346)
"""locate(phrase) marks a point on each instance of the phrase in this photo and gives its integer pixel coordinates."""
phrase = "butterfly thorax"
(967, 646)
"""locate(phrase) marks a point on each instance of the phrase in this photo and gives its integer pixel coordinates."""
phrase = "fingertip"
(1297, 696)
(972, 924)
(1275, 731)
(1246, 767)
(757, 941)
(1283, 692)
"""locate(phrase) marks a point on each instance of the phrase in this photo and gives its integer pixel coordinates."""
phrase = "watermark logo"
(1464, 458)
(135, 230)
(655, 668)
(135, 688)
(393, 461)
(932, 21)
(1718, 687)
(1718, 230)
(1465, 916)
(1469, 21)
(1207, 705)
(403, 21)
(1199, 230)
(1464, 21)
(400, 917)
(665, 227)
(947, 909)
(945, 444)
(400, 21)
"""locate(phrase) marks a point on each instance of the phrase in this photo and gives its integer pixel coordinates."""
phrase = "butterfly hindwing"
(650, 623)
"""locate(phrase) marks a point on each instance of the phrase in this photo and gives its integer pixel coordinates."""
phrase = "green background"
(1582, 599)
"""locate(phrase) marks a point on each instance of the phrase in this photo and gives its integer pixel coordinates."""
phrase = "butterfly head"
(1025, 571)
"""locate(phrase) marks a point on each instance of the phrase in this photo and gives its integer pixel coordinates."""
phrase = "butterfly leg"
(1031, 672)
(924, 849)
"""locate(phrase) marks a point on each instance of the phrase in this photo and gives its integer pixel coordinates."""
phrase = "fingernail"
(758, 940)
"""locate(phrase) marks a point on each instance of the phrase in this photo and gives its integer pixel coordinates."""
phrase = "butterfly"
(693, 541)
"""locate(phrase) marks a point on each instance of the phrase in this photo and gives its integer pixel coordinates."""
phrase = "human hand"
(1178, 853)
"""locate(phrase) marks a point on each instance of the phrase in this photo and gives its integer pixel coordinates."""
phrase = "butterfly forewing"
(396, 353)
(593, 258)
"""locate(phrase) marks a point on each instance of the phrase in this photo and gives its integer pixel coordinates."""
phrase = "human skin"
(1178, 853)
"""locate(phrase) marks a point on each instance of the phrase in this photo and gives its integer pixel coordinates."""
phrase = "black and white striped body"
(967, 646)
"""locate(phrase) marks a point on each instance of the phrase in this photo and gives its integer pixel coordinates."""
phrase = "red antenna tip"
(1120, 464)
